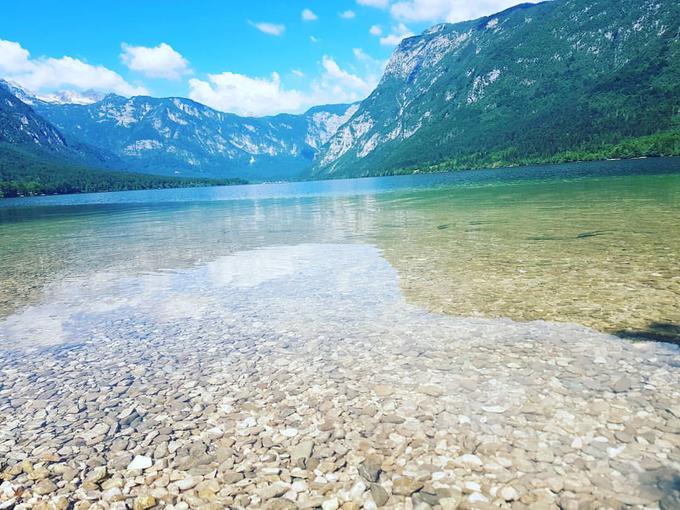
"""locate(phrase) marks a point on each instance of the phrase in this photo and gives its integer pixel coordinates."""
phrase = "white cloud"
(308, 15)
(13, 57)
(244, 95)
(380, 4)
(362, 56)
(396, 35)
(375, 30)
(347, 84)
(336, 77)
(447, 10)
(44, 74)
(348, 14)
(314, 39)
(269, 28)
(298, 73)
(160, 61)
(257, 96)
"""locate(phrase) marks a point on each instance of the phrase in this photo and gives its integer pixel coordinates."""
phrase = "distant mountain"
(35, 158)
(177, 136)
(17, 91)
(560, 80)
(20, 125)
(72, 97)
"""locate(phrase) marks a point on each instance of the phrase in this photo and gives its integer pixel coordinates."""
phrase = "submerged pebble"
(317, 386)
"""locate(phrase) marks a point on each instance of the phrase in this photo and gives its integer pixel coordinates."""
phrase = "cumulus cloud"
(258, 96)
(375, 30)
(446, 10)
(160, 61)
(308, 15)
(362, 56)
(340, 80)
(245, 95)
(370, 68)
(348, 14)
(298, 73)
(46, 73)
(346, 83)
(268, 28)
(13, 57)
(396, 35)
(380, 4)
(314, 39)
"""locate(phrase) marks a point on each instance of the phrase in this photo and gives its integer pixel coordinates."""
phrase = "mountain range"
(36, 158)
(559, 80)
(556, 81)
(177, 136)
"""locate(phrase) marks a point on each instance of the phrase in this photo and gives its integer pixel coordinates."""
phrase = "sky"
(256, 57)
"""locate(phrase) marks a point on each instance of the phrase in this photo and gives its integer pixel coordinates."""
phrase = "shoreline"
(390, 174)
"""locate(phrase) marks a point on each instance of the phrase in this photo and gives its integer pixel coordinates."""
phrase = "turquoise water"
(455, 325)
(592, 243)
(366, 186)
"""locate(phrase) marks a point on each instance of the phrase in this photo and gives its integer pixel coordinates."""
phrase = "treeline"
(23, 173)
(656, 145)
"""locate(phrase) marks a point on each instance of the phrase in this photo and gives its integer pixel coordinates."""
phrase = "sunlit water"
(434, 320)
(594, 244)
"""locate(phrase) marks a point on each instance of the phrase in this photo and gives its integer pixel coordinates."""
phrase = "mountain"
(177, 136)
(560, 80)
(35, 158)
(20, 125)
(72, 97)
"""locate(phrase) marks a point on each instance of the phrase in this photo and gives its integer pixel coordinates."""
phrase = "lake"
(468, 335)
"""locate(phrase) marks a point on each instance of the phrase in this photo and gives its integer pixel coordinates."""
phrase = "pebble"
(187, 483)
(330, 504)
(370, 469)
(274, 490)
(311, 406)
(622, 384)
(144, 502)
(289, 432)
(379, 494)
(405, 486)
(509, 493)
(140, 462)
(44, 487)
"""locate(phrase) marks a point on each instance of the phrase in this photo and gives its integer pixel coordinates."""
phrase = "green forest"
(24, 173)
(656, 145)
(578, 82)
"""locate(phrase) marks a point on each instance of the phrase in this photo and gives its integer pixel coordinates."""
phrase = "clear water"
(595, 244)
(481, 301)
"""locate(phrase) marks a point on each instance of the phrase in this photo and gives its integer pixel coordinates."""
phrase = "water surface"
(596, 244)
(441, 324)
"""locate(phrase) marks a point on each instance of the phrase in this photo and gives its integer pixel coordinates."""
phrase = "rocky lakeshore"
(315, 385)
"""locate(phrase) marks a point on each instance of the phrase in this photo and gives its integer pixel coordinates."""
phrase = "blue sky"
(249, 57)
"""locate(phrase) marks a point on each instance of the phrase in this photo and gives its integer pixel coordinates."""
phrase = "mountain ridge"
(179, 136)
(563, 80)
(554, 81)
(35, 158)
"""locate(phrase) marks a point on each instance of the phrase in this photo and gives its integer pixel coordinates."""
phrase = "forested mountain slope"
(560, 80)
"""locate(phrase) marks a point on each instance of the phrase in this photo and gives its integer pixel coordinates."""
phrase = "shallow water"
(603, 252)
(276, 346)
(219, 333)
(596, 244)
